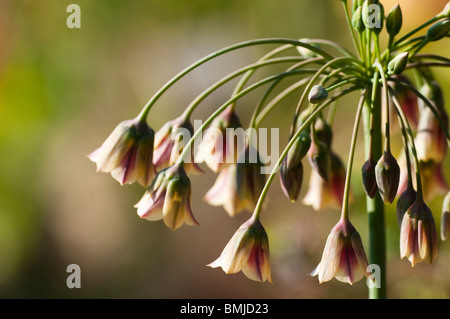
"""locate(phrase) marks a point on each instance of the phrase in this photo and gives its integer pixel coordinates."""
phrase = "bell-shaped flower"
(430, 140)
(220, 147)
(387, 173)
(445, 218)
(322, 193)
(238, 187)
(343, 257)
(169, 143)
(248, 250)
(418, 237)
(127, 153)
(404, 202)
(168, 198)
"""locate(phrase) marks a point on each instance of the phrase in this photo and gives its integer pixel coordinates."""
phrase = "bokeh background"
(63, 90)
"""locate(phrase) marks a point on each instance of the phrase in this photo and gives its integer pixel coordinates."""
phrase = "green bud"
(298, 150)
(357, 21)
(356, 4)
(438, 30)
(394, 21)
(317, 94)
(398, 64)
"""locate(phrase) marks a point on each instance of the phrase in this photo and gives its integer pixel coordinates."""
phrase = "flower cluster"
(390, 103)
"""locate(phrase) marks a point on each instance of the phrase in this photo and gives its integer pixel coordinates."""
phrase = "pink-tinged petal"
(161, 154)
(427, 238)
(150, 206)
(125, 172)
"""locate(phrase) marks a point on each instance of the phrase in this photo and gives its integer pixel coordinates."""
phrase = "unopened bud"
(398, 64)
(438, 30)
(298, 150)
(394, 21)
(317, 94)
(369, 179)
(357, 21)
(291, 179)
(387, 173)
(373, 15)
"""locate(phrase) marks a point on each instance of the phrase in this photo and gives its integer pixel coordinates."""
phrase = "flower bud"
(398, 64)
(317, 94)
(394, 21)
(369, 179)
(319, 158)
(168, 198)
(298, 151)
(219, 147)
(357, 21)
(291, 179)
(438, 30)
(387, 173)
(373, 15)
(169, 143)
(343, 256)
(248, 250)
(418, 237)
(406, 199)
(127, 153)
(445, 218)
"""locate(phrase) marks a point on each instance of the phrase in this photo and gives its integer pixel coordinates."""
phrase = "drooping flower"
(168, 198)
(127, 153)
(248, 250)
(322, 193)
(343, 257)
(418, 237)
(169, 143)
(220, 147)
(238, 187)
(404, 202)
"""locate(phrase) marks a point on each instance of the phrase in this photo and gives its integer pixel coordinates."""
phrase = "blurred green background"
(62, 91)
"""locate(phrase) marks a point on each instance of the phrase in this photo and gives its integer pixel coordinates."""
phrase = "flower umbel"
(248, 250)
(127, 153)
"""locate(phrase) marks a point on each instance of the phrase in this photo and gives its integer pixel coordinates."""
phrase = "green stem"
(146, 109)
(305, 124)
(208, 121)
(434, 19)
(375, 206)
(349, 23)
(191, 107)
(344, 214)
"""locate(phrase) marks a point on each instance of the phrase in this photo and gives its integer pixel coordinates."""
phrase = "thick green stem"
(375, 206)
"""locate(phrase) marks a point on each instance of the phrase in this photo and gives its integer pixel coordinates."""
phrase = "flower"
(445, 218)
(169, 143)
(343, 256)
(329, 193)
(127, 153)
(168, 198)
(418, 238)
(219, 147)
(404, 202)
(238, 186)
(248, 250)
